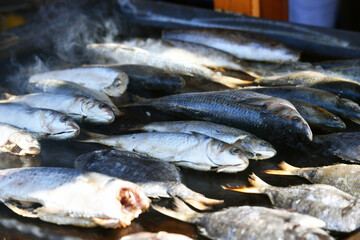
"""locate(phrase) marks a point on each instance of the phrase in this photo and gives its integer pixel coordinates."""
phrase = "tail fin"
(8, 95)
(287, 169)
(258, 186)
(182, 211)
(230, 82)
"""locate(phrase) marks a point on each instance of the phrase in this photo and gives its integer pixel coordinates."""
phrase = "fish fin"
(202, 202)
(242, 189)
(287, 169)
(22, 211)
(257, 182)
(9, 95)
(182, 211)
(230, 82)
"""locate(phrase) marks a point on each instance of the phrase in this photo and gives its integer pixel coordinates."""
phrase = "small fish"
(42, 123)
(156, 178)
(339, 210)
(70, 196)
(345, 177)
(155, 236)
(107, 80)
(252, 146)
(344, 145)
(194, 151)
(248, 223)
(244, 45)
(17, 141)
(80, 108)
(55, 86)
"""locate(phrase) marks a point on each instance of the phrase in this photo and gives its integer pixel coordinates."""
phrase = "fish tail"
(287, 169)
(182, 211)
(202, 202)
(230, 82)
(8, 95)
(242, 189)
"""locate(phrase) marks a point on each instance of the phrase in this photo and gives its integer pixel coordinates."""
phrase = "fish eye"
(296, 119)
(117, 83)
(102, 105)
(234, 150)
(64, 119)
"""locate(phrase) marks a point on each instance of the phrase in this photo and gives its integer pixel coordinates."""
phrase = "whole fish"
(267, 117)
(345, 177)
(341, 107)
(319, 119)
(80, 108)
(17, 141)
(107, 80)
(43, 123)
(194, 151)
(339, 210)
(244, 45)
(156, 178)
(344, 145)
(122, 54)
(252, 146)
(55, 86)
(155, 236)
(249, 223)
(70, 196)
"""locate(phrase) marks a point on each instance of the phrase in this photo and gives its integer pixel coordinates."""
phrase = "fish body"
(339, 210)
(55, 86)
(252, 146)
(199, 152)
(69, 196)
(345, 177)
(156, 178)
(243, 45)
(41, 122)
(17, 141)
(107, 80)
(80, 108)
(248, 223)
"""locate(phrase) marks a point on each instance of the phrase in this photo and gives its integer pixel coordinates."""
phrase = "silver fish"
(69, 196)
(194, 151)
(244, 45)
(17, 141)
(156, 178)
(248, 223)
(252, 146)
(155, 236)
(80, 108)
(40, 122)
(107, 80)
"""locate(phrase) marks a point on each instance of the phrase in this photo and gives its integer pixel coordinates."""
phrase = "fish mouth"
(231, 168)
(262, 155)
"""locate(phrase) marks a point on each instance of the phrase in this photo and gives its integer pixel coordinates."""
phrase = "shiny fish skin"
(345, 177)
(199, 152)
(156, 178)
(80, 108)
(17, 141)
(267, 117)
(69, 196)
(252, 146)
(107, 80)
(243, 45)
(249, 223)
(339, 210)
(41, 122)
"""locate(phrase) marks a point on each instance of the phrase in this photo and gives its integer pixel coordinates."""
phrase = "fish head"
(351, 109)
(58, 125)
(22, 144)
(95, 111)
(226, 157)
(118, 86)
(255, 148)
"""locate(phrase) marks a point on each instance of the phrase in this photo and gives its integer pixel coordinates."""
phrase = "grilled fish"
(40, 122)
(107, 80)
(244, 45)
(195, 151)
(155, 236)
(156, 178)
(69, 196)
(339, 210)
(17, 141)
(80, 108)
(248, 222)
(252, 146)
(345, 177)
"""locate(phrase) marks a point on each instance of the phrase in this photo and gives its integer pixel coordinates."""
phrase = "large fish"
(339, 210)
(70, 196)
(252, 146)
(250, 223)
(107, 80)
(80, 108)
(194, 151)
(55, 86)
(156, 178)
(267, 117)
(244, 45)
(345, 177)
(43, 123)
(17, 141)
